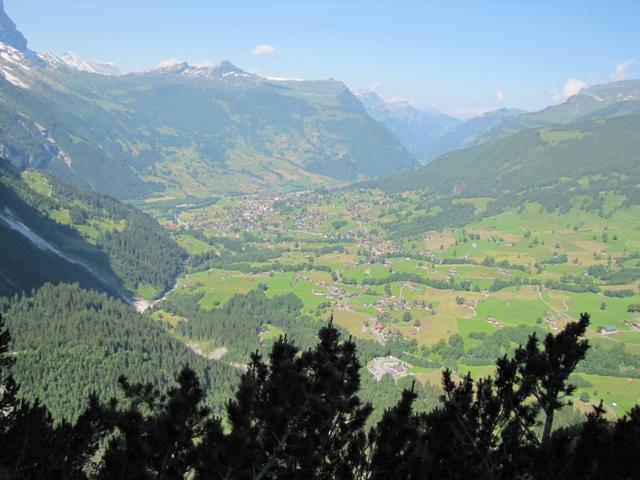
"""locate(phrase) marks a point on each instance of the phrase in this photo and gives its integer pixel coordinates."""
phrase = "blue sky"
(463, 57)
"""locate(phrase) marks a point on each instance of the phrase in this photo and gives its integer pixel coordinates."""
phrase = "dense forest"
(72, 342)
(298, 414)
(141, 253)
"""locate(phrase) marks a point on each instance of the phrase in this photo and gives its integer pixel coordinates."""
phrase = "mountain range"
(191, 131)
(427, 134)
(430, 134)
(418, 130)
(183, 130)
(590, 138)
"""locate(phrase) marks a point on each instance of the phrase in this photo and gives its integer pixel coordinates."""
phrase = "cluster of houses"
(469, 303)
(376, 249)
(177, 224)
(386, 304)
(382, 332)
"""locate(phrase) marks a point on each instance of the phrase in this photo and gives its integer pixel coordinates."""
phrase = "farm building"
(607, 330)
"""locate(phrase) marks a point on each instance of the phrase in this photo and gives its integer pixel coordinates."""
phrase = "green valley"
(428, 268)
(457, 297)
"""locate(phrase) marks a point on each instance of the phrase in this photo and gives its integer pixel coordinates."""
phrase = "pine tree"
(399, 451)
(545, 373)
(297, 416)
(155, 434)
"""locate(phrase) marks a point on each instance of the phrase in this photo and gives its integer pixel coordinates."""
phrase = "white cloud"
(621, 69)
(264, 50)
(500, 95)
(572, 87)
(169, 62)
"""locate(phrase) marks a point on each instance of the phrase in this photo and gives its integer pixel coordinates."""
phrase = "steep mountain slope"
(536, 159)
(186, 131)
(52, 232)
(416, 129)
(9, 33)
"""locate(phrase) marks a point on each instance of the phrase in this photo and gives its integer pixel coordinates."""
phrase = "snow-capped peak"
(224, 70)
(73, 61)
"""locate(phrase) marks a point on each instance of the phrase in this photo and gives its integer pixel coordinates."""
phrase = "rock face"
(9, 33)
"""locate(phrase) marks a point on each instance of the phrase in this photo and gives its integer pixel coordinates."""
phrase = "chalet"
(607, 330)
(492, 321)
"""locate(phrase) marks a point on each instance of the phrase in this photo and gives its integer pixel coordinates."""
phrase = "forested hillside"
(545, 158)
(72, 342)
(56, 232)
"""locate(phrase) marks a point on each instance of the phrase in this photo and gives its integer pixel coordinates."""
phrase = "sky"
(461, 57)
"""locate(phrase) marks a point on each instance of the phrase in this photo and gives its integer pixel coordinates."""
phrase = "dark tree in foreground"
(31, 445)
(155, 434)
(501, 428)
(545, 373)
(299, 416)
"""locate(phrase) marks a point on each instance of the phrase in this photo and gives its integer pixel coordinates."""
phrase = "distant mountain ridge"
(427, 134)
(416, 129)
(599, 101)
(438, 134)
(73, 61)
(473, 131)
(184, 130)
(602, 150)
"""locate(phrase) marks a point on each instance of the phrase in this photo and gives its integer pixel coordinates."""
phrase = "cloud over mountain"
(264, 50)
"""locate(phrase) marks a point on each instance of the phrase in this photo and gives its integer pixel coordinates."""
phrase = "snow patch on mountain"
(12, 62)
(72, 61)
(224, 71)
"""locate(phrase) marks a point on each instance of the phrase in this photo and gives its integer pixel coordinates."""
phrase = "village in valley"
(337, 251)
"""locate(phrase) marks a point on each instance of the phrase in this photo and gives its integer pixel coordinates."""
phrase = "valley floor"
(439, 298)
